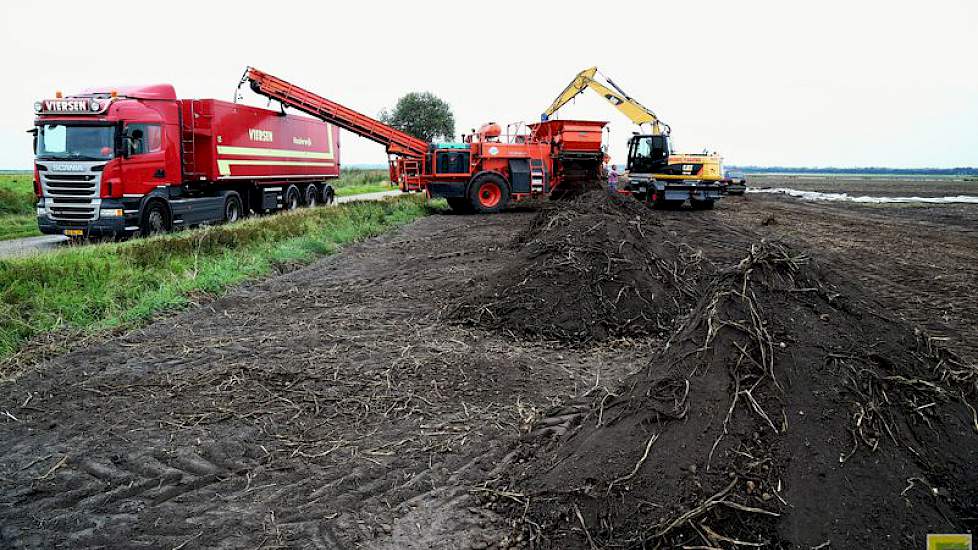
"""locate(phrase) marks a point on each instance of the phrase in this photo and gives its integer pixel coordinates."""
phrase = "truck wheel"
(701, 205)
(156, 220)
(311, 196)
(233, 210)
(488, 193)
(292, 198)
(329, 195)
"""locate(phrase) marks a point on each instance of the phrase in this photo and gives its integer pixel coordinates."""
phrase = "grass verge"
(361, 189)
(102, 287)
(355, 181)
(17, 226)
(353, 177)
(17, 217)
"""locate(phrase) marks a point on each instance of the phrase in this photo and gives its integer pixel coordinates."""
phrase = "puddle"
(845, 197)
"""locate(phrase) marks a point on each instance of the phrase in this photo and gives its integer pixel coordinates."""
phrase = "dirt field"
(349, 405)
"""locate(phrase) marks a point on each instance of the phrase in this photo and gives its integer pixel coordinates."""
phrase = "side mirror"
(126, 146)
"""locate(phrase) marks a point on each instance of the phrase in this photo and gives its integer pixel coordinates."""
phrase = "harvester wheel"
(311, 198)
(488, 193)
(460, 205)
(292, 198)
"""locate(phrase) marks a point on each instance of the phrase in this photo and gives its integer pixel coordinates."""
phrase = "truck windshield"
(63, 141)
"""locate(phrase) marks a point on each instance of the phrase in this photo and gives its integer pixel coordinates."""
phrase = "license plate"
(641, 189)
(74, 232)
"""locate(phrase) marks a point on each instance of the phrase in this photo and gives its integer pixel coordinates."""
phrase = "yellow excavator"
(653, 172)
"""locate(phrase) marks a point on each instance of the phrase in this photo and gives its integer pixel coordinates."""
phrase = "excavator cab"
(648, 154)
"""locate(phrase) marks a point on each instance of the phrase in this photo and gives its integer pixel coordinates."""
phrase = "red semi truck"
(119, 161)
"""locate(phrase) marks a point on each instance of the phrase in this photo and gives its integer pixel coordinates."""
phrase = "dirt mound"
(590, 268)
(782, 414)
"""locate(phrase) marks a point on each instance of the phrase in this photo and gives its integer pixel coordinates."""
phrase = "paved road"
(47, 243)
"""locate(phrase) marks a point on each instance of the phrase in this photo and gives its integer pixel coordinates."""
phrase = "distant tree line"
(873, 170)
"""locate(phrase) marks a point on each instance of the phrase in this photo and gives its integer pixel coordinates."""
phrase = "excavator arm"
(631, 108)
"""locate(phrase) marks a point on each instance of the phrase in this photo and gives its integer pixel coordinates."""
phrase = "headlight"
(38, 106)
(110, 213)
(96, 106)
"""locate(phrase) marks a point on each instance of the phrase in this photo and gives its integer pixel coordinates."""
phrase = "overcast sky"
(829, 83)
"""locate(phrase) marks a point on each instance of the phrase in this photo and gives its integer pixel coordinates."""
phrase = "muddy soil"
(781, 415)
(337, 407)
(325, 408)
(585, 270)
(920, 262)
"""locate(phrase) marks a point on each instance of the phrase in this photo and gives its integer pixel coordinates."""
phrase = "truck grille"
(71, 196)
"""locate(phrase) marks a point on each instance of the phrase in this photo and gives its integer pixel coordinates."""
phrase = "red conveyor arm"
(396, 141)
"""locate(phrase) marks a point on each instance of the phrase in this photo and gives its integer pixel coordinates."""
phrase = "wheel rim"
(156, 221)
(311, 198)
(231, 212)
(293, 201)
(489, 195)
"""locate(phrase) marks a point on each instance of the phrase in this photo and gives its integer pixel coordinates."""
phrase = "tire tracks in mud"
(325, 408)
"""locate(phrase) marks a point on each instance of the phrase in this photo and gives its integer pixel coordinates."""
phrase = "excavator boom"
(629, 107)
(396, 141)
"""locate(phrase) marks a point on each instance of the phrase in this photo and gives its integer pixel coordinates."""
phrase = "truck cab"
(99, 153)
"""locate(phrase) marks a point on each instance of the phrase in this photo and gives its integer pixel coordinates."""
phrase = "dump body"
(231, 142)
(570, 136)
(109, 159)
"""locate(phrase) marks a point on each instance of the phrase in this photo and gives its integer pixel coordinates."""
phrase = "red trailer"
(138, 159)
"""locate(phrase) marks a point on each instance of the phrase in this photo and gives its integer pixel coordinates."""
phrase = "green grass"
(17, 216)
(16, 194)
(17, 226)
(361, 189)
(99, 287)
(356, 177)
(355, 181)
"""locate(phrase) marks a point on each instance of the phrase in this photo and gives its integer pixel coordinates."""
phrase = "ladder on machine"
(188, 140)
(538, 176)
